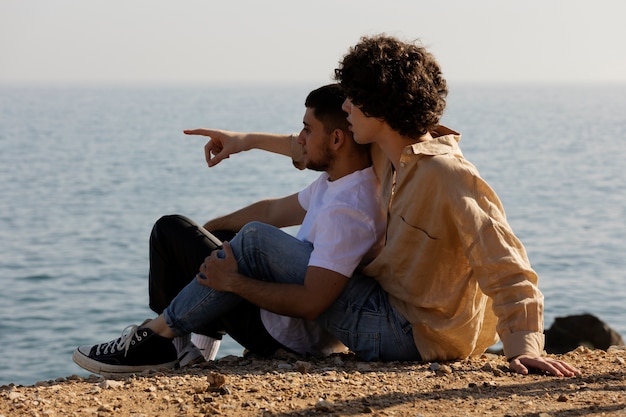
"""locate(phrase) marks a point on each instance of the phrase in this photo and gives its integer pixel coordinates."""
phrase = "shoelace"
(122, 343)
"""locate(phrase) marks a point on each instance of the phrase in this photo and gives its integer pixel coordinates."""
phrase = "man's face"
(364, 128)
(315, 143)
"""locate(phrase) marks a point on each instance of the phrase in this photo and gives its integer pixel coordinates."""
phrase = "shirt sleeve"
(342, 241)
(501, 266)
(304, 196)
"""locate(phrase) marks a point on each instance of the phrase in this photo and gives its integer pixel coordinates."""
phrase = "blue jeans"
(361, 317)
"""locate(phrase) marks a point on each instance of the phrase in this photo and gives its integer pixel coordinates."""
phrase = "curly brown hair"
(396, 81)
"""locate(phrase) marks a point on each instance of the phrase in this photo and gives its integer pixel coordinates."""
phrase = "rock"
(216, 380)
(617, 348)
(110, 383)
(567, 333)
(324, 406)
(13, 396)
(230, 359)
(303, 367)
(487, 367)
(439, 369)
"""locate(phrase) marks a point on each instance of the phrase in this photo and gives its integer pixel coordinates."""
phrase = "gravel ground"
(335, 386)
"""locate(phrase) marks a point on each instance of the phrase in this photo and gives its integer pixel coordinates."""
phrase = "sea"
(86, 170)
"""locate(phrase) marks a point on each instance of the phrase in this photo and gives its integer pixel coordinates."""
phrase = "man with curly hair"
(452, 277)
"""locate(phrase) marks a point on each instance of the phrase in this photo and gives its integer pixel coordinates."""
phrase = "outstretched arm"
(224, 143)
(280, 212)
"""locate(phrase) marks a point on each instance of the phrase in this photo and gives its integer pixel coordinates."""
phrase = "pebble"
(110, 383)
(15, 396)
(303, 367)
(440, 370)
(216, 380)
(323, 405)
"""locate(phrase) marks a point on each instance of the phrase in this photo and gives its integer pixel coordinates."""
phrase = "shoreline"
(287, 385)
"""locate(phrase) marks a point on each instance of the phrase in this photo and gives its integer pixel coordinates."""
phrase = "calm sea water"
(85, 172)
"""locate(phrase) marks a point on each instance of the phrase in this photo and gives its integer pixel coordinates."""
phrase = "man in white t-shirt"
(342, 227)
(339, 225)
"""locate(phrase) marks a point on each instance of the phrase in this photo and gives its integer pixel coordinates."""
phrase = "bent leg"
(243, 323)
(262, 252)
(178, 246)
(268, 253)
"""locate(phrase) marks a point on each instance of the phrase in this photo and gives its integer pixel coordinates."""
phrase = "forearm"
(319, 289)
(291, 300)
(278, 212)
(236, 219)
(271, 142)
(280, 144)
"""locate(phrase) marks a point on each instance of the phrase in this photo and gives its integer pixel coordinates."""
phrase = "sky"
(239, 41)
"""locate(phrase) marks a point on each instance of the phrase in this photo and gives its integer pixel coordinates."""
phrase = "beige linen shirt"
(451, 263)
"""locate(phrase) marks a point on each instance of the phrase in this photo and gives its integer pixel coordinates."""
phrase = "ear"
(337, 139)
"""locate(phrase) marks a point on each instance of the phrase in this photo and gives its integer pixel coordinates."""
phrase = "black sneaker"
(137, 350)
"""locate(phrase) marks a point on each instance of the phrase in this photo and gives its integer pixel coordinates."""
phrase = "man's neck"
(393, 144)
(346, 167)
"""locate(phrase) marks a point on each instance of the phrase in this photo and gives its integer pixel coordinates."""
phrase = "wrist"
(231, 282)
(247, 142)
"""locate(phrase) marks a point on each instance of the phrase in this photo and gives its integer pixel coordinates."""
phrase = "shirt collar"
(444, 141)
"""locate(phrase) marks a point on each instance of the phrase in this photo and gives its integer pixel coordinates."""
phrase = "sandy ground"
(336, 386)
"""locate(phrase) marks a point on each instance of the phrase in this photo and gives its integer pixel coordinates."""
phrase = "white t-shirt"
(345, 222)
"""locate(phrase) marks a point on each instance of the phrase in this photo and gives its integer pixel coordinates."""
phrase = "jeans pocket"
(400, 345)
(366, 345)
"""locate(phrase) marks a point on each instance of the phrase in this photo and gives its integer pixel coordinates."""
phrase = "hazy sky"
(191, 41)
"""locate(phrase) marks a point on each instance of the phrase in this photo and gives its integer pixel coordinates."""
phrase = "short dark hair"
(396, 81)
(326, 103)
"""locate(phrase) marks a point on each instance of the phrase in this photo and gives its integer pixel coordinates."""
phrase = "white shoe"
(190, 355)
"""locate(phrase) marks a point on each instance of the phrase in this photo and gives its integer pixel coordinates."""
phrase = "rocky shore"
(336, 386)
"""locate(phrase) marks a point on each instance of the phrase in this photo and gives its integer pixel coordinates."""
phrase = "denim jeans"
(178, 246)
(361, 317)
(255, 247)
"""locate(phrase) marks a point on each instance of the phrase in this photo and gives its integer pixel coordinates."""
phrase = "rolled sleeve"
(523, 343)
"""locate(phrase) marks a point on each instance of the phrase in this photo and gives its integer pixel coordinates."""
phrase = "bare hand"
(221, 145)
(522, 363)
(216, 272)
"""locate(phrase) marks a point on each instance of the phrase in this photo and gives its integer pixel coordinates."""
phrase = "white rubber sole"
(85, 362)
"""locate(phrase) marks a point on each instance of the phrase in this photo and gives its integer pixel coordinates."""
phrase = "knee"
(256, 231)
(170, 219)
(164, 230)
(253, 235)
(253, 227)
(167, 223)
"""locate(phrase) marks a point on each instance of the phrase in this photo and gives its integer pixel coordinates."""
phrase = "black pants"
(178, 246)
